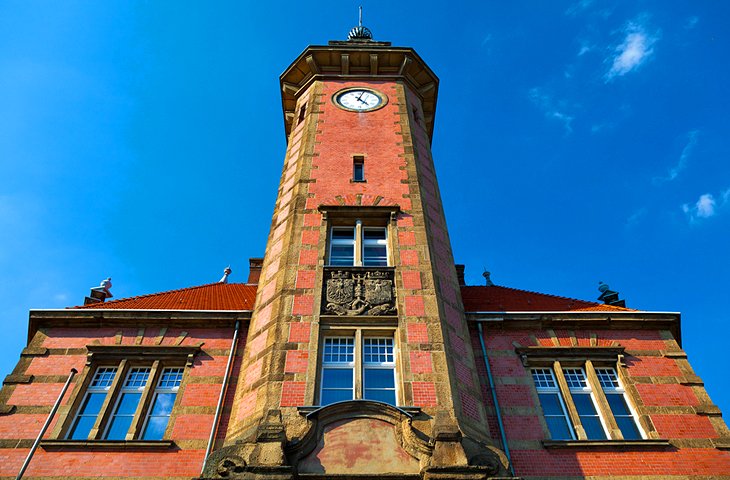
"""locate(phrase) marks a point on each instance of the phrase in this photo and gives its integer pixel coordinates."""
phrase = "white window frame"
(358, 366)
(553, 389)
(162, 390)
(100, 370)
(585, 389)
(358, 243)
(134, 389)
(618, 389)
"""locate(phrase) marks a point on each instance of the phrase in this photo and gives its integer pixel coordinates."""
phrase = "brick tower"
(358, 339)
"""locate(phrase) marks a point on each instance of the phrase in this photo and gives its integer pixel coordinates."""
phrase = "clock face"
(359, 99)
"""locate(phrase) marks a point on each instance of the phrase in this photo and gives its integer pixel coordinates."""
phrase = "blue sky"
(575, 142)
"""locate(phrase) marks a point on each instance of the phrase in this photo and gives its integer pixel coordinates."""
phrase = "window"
(131, 400)
(580, 401)
(358, 169)
(358, 246)
(358, 365)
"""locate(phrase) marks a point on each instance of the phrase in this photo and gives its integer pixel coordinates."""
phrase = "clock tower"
(358, 358)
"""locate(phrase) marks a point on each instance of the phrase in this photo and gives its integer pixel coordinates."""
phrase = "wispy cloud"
(681, 164)
(635, 49)
(707, 206)
(551, 108)
(636, 217)
(578, 7)
(691, 23)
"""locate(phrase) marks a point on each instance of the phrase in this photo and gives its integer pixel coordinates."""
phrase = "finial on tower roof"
(360, 33)
(487, 278)
(226, 272)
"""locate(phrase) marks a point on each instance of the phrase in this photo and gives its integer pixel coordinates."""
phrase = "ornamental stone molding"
(354, 291)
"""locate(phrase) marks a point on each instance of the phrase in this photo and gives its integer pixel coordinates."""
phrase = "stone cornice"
(358, 61)
(113, 318)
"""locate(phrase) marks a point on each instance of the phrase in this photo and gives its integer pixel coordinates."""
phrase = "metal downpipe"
(495, 402)
(45, 425)
(224, 387)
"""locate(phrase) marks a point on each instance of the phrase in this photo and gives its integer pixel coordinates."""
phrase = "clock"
(359, 99)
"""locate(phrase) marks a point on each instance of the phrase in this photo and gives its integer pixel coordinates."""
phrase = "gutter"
(494, 399)
(224, 387)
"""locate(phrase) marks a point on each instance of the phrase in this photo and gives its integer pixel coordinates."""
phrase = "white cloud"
(636, 217)
(636, 48)
(578, 7)
(551, 109)
(683, 159)
(706, 206)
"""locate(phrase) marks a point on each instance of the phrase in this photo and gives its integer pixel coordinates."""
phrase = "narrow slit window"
(358, 169)
(302, 113)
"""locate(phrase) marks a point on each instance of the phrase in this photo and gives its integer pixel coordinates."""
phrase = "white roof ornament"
(226, 272)
(104, 286)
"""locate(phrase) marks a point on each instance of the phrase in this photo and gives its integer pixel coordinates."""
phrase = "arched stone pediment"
(359, 437)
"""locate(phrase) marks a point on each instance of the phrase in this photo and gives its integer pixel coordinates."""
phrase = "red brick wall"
(645, 364)
(190, 424)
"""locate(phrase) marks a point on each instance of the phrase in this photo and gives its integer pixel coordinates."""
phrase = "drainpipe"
(45, 425)
(494, 398)
(214, 428)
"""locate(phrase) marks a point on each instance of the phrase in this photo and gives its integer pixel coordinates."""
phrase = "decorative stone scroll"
(352, 291)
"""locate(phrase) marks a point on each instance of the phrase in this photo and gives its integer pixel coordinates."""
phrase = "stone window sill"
(108, 444)
(596, 444)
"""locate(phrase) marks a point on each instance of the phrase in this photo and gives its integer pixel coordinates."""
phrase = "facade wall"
(43, 369)
(667, 396)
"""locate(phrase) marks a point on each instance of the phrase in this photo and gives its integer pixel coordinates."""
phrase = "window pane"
(378, 350)
(584, 404)
(128, 403)
(385, 396)
(379, 378)
(92, 404)
(155, 429)
(163, 404)
(559, 429)
(343, 233)
(374, 234)
(118, 428)
(82, 428)
(332, 396)
(339, 350)
(628, 428)
(617, 404)
(594, 429)
(337, 378)
(550, 404)
(359, 172)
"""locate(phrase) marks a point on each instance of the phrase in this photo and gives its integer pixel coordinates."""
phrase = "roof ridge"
(167, 292)
(539, 293)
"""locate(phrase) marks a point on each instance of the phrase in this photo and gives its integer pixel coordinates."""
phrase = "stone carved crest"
(359, 291)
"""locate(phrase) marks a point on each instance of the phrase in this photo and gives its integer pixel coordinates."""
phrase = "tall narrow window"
(580, 391)
(92, 403)
(338, 370)
(615, 395)
(164, 399)
(552, 404)
(379, 370)
(126, 406)
(358, 169)
(302, 112)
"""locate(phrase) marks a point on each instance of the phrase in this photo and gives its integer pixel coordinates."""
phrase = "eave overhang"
(96, 318)
(581, 320)
(358, 61)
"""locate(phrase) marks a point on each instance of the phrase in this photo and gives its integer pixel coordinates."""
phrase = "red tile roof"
(214, 296)
(504, 299)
